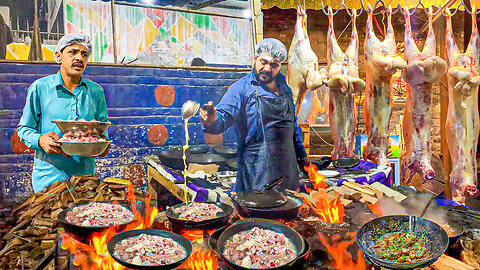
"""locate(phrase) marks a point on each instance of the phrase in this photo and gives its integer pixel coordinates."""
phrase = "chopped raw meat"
(97, 214)
(259, 249)
(149, 250)
(198, 211)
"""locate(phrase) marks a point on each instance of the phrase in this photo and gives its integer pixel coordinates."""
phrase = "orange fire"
(377, 210)
(95, 255)
(328, 210)
(317, 179)
(201, 261)
(343, 259)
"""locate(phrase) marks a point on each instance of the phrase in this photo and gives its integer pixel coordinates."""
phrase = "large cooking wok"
(82, 233)
(187, 245)
(302, 258)
(286, 212)
(217, 222)
(290, 233)
(435, 238)
(173, 157)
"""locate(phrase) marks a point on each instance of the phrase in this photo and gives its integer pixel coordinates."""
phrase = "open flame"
(330, 211)
(343, 259)
(316, 178)
(377, 210)
(95, 255)
(201, 261)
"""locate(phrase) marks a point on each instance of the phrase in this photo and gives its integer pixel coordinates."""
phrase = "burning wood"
(338, 250)
(32, 227)
(201, 260)
(330, 211)
(317, 179)
(95, 255)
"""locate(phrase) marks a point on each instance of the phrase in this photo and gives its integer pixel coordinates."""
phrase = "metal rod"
(448, 4)
(180, 10)
(112, 4)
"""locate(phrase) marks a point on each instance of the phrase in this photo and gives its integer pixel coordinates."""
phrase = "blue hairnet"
(72, 39)
(272, 47)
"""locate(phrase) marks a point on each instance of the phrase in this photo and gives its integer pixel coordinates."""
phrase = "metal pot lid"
(346, 162)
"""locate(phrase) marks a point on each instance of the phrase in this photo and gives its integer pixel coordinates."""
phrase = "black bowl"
(435, 238)
(187, 245)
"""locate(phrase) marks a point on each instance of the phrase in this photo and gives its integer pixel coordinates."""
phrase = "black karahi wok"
(82, 233)
(302, 258)
(173, 156)
(435, 238)
(216, 222)
(286, 212)
(187, 245)
(266, 198)
(226, 152)
(278, 227)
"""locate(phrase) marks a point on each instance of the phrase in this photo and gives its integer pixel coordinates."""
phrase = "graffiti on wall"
(159, 37)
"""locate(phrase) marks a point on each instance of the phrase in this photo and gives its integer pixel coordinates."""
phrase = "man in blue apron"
(260, 107)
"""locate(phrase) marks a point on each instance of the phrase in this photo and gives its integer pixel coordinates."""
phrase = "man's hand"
(48, 142)
(208, 114)
(302, 163)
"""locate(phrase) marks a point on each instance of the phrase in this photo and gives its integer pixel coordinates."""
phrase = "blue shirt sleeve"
(297, 141)
(228, 110)
(28, 127)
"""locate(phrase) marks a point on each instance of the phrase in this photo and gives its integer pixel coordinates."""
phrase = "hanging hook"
(323, 9)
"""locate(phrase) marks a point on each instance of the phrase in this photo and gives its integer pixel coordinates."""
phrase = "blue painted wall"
(132, 109)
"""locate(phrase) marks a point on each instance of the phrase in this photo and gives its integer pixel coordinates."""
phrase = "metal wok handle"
(275, 183)
(201, 224)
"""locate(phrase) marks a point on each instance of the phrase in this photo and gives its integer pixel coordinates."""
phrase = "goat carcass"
(303, 72)
(381, 63)
(423, 69)
(462, 125)
(343, 84)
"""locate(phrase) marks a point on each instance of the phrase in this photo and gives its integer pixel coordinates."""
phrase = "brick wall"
(144, 106)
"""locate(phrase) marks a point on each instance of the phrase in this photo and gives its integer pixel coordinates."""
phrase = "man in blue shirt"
(64, 96)
(260, 107)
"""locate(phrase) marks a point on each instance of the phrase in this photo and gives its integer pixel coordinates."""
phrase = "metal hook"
(438, 10)
(323, 9)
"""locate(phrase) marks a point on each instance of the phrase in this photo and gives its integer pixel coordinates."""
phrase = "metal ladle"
(189, 109)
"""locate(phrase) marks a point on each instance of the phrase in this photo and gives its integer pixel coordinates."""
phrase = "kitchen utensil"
(435, 239)
(85, 149)
(187, 245)
(189, 109)
(278, 227)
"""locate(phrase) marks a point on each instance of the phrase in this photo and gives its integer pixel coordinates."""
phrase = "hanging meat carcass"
(343, 84)
(303, 73)
(462, 124)
(423, 69)
(381, 63)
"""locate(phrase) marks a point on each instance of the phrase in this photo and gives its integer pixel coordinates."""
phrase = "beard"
(264, 76)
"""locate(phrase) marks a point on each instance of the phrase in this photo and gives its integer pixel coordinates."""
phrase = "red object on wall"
(165, 95)
(157, 134)
(17, 146)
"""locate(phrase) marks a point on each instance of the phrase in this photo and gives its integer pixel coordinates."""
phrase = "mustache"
(78, 63)
(264, 73)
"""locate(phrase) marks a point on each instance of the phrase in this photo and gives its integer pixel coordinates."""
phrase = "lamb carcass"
(423, 69)
(343, 84)
(303, 72)
(381, 63)
(462, 124)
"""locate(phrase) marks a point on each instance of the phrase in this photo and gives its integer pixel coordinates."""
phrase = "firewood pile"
(28, 235)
